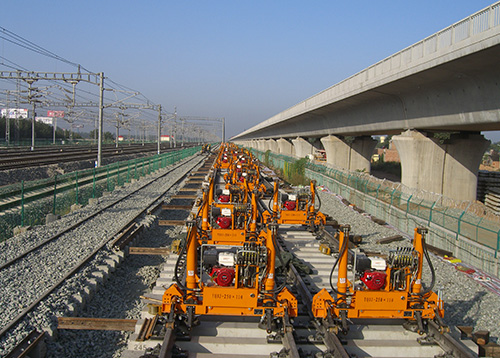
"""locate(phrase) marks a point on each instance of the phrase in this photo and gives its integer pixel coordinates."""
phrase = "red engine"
(374, 280)
(290, 205)
(224, 198)
(222, 276)
(224, 222)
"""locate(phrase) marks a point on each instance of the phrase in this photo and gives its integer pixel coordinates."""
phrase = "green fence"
(465, 228)
(28, 203)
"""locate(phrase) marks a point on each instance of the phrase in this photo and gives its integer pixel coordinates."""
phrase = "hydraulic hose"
(278, 289)
(341, 252)
(433, 273)
(319, 199)
(181, 252)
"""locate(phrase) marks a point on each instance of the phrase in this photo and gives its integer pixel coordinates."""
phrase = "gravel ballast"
(43, 271)
(466, 301)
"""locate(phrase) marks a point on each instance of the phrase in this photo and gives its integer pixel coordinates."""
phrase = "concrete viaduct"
(449, 81)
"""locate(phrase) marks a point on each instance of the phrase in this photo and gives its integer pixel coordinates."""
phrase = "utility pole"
(101, 113)
(223, 129)
(7, 122)
(32, 100)
(174, 125)
(159, 128)
(55, 128)
(143, 131)
(183, 133)
(117, 129)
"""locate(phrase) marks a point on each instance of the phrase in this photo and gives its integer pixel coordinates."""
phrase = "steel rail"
(81, 221)
(447, 342)
(26, 345)
(47, 292)
(47, 158)
(330, 339)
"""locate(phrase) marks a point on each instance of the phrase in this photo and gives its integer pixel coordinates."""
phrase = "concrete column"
(285, 147)
(449, 169)
(302, 147)
(272, 145)
(261, 145)
(355, 155)
(241, 143)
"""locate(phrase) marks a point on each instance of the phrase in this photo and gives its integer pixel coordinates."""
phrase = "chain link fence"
(467, 229)
(28, 203)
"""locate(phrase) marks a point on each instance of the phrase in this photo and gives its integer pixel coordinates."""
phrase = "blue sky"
(242, 60)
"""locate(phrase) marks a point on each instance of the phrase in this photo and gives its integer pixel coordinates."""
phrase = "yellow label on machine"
(381, 300)
(229, 297)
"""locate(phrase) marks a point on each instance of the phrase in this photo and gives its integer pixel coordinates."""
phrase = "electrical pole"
(174, 125)
(223, 129)
(55, 128)
(183, 133)
(101, 119)
(159, 128)
(117, 129)
(32, 100)
(143, 131)
(7, 122)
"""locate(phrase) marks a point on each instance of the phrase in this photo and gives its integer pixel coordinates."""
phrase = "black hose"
(181, 252)
(177, 263)
(341, 252)
(270, 207)
(433, 273)
(317, 196)
(277, 253)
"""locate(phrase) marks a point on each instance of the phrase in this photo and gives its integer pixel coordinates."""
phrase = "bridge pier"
(261, 145)
(285, 147)
(302, 147)
(448, 168)
(272, 145)
(355, 155)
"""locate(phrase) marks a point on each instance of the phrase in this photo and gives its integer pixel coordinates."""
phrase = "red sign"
(59, 114)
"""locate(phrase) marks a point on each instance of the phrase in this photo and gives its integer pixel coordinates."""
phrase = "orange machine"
(227, 264)
(389, 288)
(225, 157)
(297, 208)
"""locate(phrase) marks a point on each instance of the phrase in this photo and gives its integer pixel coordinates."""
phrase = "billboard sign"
(14, 113)
(46, 120)
(58, 114)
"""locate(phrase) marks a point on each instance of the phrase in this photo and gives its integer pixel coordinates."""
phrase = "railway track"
(308, 272)
(26, 159)
(47, 265)
(240, 337)
(304, 336)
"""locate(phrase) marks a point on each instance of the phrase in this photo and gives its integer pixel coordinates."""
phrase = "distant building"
(389, 154)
